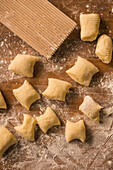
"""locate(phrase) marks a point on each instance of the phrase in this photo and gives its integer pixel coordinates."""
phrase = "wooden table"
(50, 151)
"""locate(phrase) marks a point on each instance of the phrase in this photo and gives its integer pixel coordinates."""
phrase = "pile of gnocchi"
(82, 72)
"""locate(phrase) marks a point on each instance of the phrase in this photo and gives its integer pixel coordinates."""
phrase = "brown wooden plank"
(51, 151)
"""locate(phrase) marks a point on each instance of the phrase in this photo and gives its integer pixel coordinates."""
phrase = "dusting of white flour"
(50, 151)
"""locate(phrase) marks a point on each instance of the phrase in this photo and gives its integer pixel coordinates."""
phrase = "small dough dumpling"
(26, 94)
(75, 131)
(56, 89)
(89, 26)
(47, 120)
(104, 49)
(82, 72)
(6, 139)
(2, 102)
(23, 65)
(91, 109)
(27, 128)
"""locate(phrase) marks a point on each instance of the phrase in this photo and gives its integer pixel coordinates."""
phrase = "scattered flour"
(112, 10)
(51, 149)
(23, 52)
(87, 6)
(2, 43)
(108, 111)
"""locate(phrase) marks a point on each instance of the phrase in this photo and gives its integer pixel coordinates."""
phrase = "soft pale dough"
(2, 102)
(104, 49)
(75, 131)
(26, 94)
(27, 128)
(56, 89)
(6, 139)
(23, 65)
(47, 120)
(82, 71)
(89, 26)
(90, 108)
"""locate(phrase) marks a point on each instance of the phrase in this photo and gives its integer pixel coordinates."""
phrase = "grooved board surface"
(50, 151)
(37, 22)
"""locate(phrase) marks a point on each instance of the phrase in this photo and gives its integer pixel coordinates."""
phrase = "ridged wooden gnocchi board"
(39, 23)
(50, 151)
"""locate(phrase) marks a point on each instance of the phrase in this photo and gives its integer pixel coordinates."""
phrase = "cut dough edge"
(47, 120)
(3, 104)
(27, 128)
(75, 130)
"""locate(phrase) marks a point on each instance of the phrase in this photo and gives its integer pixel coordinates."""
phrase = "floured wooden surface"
(51, 150)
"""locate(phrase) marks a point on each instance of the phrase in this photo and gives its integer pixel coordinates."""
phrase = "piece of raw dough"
(2, 102)
(23, 65)
(6, 139)
(26, 94)
(56, 89)
(75, 131)
(82, 71)
(27, 128)
(104, 49)
(90, 108)
(89, 26)
(47, 120)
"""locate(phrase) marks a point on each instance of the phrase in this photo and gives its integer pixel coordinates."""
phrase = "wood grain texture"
(51, 151)
(38, 23)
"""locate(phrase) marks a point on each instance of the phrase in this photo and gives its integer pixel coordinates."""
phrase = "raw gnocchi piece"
(56, 89)
(90, 108)
(26, 94)
(6, 140)
(2, 102)
(82, 71)
(75, 131)
(104, 49)
(23, 65)
(89, 26)
(27, 128)
(47, 120)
